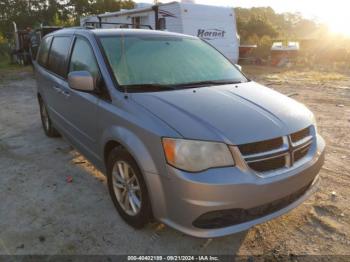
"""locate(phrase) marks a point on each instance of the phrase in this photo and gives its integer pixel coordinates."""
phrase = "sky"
(334, 13)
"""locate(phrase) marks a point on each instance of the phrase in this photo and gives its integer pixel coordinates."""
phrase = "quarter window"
(83, 58)
(58, 55)
(44, 51)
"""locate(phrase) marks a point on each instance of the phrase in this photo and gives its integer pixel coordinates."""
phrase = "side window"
(83, 58)
(58, 55)
(44, 51)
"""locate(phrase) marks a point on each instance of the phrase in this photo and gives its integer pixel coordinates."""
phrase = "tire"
(141, 214)
(46, 122)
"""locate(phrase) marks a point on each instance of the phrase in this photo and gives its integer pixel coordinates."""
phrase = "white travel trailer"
(216, 25)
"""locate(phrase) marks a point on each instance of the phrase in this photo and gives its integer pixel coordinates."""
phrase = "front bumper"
(185, 196)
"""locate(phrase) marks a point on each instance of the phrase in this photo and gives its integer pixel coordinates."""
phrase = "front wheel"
(127, 188)
(49, 130)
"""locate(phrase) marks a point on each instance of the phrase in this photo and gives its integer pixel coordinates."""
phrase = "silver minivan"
(181, 134)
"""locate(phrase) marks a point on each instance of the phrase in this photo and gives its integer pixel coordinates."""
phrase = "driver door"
(80, 111)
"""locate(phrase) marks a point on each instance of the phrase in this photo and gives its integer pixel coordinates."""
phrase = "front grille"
(231, 217)
(268, 164)
(301, 153)
(297, 136)
(277, 153)
(262, 146)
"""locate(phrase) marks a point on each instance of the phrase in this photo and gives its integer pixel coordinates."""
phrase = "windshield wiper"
(208, 83)
(147, 88)
(162, 87)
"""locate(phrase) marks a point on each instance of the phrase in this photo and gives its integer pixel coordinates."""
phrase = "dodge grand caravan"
(181, 134)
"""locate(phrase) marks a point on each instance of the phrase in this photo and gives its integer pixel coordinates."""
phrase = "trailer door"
(216, 25)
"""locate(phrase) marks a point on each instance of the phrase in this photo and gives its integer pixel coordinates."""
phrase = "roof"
(115, 32)
(126, 32)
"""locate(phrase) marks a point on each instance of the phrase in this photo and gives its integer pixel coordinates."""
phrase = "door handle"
(57, 89)
(65, 93)
(60, 91)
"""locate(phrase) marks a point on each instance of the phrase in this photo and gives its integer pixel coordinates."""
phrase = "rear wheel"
(127, 188)
(49, 130)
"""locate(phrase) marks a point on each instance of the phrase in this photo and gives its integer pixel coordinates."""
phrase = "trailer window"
(136, 21)
(58, 55)
(162, 23)
(44, 51)
(164, 60)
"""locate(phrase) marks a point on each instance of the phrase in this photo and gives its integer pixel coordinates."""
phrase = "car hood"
(234, 114)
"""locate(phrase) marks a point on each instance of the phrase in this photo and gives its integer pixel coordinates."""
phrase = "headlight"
(195, 156)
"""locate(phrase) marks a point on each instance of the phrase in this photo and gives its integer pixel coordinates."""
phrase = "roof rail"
(99, 24)
(79, 27)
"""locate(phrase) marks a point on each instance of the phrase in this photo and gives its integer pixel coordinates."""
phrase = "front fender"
(152, 164)
(133, 144)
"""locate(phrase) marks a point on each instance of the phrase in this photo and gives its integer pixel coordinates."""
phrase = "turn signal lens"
(169, 149)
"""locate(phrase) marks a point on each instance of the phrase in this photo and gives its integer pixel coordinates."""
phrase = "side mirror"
(238, 67)
(81, 80)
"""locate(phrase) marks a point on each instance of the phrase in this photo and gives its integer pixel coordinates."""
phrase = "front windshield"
(166, 61)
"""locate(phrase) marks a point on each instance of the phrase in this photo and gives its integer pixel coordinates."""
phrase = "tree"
(103, 6)
(263, 21)
(87, 7)
(53, 12)
(260, 26)
(256, 21)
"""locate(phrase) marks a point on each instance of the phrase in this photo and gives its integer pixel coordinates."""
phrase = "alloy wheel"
(126, 188)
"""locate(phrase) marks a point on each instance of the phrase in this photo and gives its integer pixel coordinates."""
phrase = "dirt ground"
(41, 213)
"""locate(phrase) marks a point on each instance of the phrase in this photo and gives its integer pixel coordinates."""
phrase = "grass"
(8, 71)
(5, 64)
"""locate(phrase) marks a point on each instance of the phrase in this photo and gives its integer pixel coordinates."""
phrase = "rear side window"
(58, 55)
(83, 58)
(44, 51)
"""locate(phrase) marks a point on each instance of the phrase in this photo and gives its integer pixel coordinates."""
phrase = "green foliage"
(260, 25)
(88, 7)
(32, 13)
(257, 25)
(263, 21)
(4, 50)
(103, 6)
